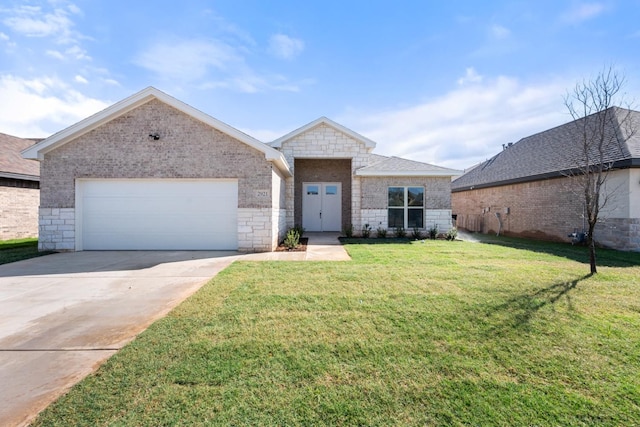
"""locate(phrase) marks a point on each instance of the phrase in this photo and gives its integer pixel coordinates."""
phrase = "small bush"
(299, 229)
(348, 231)
(416, 234)
(381, 233)
(292, 239)
(366, 231)
(401, 232)
(433, 232)
(452, 234)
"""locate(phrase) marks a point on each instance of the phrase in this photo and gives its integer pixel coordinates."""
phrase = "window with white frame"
(406, 207)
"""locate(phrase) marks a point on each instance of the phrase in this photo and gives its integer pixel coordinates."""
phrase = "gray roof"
(12, 165)
(556, 151)
(397, 166)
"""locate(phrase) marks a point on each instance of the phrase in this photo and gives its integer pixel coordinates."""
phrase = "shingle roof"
(12, 165)
(556, 151)
(397, 166)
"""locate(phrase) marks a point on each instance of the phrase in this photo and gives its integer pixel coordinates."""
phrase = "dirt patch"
(302, 247)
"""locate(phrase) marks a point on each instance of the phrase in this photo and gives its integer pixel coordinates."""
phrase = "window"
(331, 190)
(312, 190)
(406, 207)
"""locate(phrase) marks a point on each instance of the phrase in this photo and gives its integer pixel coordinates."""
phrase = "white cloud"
(470, 76)
(80, 79)
(41, 106)
(582, 12)
(76, 52)
(499, 32)
(55, 54)
(285, 47)
(4, 37)
(188, 60)
(34, 21)
(208, 64)
(468, 124)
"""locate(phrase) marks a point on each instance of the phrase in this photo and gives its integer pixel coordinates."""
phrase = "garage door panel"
(159, 214)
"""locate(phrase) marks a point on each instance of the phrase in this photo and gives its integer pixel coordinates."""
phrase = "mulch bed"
(302, 247)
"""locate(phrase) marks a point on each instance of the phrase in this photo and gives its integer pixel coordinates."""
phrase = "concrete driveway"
(62, 315)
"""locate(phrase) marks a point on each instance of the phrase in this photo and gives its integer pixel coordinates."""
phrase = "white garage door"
(157, 214)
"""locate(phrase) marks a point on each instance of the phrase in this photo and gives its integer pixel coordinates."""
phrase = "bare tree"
(601, 127)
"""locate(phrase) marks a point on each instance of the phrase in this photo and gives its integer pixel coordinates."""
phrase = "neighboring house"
(528, 190)
(151, 172)
(19, 189)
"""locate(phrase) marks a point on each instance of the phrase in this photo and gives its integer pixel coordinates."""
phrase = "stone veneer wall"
(325, 142)
(57, 229)
(187, 148)
(545, 210)
(18, 212)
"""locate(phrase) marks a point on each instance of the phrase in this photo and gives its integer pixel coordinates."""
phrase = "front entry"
(322, 206)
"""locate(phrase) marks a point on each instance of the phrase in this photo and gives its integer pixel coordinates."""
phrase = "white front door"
(322, 206)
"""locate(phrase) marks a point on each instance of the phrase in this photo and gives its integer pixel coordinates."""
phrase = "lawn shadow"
(578, 253)
(517, 312)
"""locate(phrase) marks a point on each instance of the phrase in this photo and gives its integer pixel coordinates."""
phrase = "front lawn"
(433, 333)
(16, 250)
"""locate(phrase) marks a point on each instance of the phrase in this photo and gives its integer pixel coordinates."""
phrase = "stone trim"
(255, 230)
(57, 229)
(433, 217)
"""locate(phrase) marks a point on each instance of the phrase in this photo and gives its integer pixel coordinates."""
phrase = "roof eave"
(408, 173)
(20, 176)
(620, 164)
(323, 120)
(38, 150)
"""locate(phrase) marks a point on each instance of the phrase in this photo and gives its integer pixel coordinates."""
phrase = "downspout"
(499, 223)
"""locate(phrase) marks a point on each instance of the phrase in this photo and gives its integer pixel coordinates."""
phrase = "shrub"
(348, 231)
(452, 234)
(366, 231)
(299, 229)
(292, 240)
(381, 233)
(400, 232)
(416, 234)
(433, 232)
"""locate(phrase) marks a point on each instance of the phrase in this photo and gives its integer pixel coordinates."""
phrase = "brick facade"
(323, 170)
(119, 144)
(546, 210)
(18, 212)
(187, 148)
(437, 200)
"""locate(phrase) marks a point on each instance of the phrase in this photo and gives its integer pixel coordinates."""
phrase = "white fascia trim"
(38, 151)
(451, 172)
(323, 120)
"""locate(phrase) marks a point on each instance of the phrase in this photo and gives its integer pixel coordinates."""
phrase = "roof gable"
(12, 164)
(397, 166)
(120, 108)
(328, 122)
(556, 151)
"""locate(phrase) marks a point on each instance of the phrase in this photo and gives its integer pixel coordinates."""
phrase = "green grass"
(16, 250)
(434, 333)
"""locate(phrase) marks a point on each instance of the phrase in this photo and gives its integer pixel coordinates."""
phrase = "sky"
(442, 82)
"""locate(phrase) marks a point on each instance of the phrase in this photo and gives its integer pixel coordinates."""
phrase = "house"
(151, 172)
(529, 188)
(19, 189)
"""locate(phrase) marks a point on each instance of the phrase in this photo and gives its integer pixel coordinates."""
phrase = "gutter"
(20, 176)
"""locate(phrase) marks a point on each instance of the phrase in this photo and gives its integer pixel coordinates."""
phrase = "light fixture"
(155, 136)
